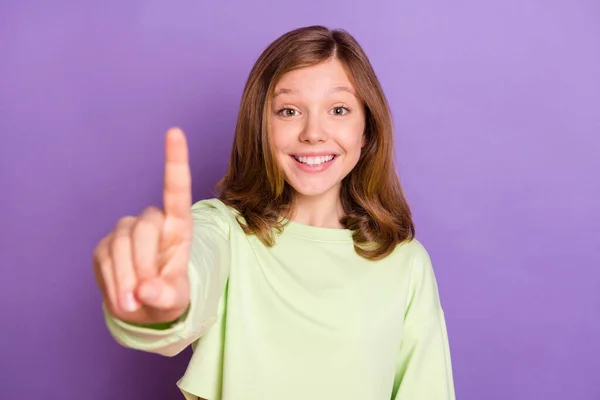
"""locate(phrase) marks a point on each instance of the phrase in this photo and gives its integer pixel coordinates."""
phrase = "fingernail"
(129, 302)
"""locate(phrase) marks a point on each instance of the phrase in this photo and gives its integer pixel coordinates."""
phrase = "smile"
(314, 164)
(314, 161)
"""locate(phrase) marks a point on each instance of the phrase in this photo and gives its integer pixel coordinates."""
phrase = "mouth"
(314, 161)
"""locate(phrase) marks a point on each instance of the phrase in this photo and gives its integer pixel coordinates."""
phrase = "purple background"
(497, 110)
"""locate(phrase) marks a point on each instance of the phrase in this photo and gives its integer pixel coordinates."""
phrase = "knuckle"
(143, 225)
(125, 222)
(152, 215)
(99, 253)
(152, 210)
(120, 242)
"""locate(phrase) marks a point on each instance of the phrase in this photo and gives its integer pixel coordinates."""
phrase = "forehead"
(328, 76)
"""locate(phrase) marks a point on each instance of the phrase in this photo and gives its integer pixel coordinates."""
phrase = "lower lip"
(313, 168)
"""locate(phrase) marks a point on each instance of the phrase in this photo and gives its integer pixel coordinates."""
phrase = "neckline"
(316, 233)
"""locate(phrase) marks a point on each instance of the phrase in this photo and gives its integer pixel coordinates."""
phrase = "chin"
(306, 189)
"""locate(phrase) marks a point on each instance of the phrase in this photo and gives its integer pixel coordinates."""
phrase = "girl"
(302, 279)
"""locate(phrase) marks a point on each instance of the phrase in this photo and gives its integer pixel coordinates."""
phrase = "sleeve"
(208, 270)
(424, 369)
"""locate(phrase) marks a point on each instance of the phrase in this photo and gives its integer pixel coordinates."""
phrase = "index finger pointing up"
(177, 193)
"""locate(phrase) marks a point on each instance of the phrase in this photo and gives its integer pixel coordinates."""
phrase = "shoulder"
(412, 252)
(414, 256)
(215, 213)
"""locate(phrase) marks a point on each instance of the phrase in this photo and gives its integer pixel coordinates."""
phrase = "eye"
(287, 112)
(340, 110)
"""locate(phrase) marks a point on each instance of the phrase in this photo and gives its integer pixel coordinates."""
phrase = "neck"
(323, 211)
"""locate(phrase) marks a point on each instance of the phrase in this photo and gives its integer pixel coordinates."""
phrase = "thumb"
(163, 295)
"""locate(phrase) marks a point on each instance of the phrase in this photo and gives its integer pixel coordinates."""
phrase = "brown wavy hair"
(374, 204)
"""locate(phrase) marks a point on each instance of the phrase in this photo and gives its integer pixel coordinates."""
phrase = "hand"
(141, 266)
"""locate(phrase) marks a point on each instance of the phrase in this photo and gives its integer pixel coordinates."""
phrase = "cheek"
(276, 140)
(353, 138)
(279, 137)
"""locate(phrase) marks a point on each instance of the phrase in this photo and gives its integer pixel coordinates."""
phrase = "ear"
(364, 140)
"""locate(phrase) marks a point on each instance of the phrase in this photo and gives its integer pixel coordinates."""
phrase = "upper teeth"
(314, 160)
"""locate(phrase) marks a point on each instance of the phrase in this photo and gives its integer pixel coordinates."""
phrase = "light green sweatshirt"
(305, 319)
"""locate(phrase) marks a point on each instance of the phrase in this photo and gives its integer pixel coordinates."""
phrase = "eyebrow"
(342, 89)
(332, 90)
(282, 91)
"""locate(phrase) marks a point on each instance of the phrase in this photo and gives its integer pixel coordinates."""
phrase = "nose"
(313, 131)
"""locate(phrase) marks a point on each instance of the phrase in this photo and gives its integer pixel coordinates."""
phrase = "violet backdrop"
(497, 116)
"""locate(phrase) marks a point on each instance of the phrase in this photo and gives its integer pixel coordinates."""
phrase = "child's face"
(317, 127)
